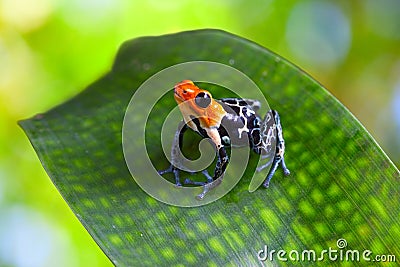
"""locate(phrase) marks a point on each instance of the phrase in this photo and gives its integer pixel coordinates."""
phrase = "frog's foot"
(175, 171)
(273, 169)
(207, 186)
(286, 171)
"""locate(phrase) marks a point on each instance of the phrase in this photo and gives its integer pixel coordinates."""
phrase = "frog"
(226, 122)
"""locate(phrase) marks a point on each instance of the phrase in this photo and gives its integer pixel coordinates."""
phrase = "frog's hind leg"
(272, 128)
(272, 171)
(265, 165)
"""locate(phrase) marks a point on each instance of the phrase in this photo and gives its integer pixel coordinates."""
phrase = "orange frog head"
(198, 103)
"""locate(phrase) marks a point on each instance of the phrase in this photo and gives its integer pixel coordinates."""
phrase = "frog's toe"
(191, 182)
(285, 169)
(205, 173)
(208, 176)
(209, 186)
(201, 196)
(167, 170)
(286, 172)
(266, 184)
(175, 171)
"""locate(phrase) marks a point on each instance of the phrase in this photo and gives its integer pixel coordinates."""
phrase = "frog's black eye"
(203, 100)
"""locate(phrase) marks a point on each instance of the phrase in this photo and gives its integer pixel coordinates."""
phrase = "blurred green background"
(51, 49)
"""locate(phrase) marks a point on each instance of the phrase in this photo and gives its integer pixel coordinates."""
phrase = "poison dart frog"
(227, 122)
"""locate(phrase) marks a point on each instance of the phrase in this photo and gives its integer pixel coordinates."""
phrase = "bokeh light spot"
(382, 17)
(396, 104)
(29, 240)
(318, 33)
(395, 146)
(26, 15)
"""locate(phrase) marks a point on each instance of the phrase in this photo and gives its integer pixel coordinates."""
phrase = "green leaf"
(342, 184)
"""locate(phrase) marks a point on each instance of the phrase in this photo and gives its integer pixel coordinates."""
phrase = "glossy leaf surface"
(342, 185)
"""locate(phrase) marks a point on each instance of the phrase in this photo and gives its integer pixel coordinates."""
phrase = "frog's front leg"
(176, 159)
(222, 162)
(219, 171)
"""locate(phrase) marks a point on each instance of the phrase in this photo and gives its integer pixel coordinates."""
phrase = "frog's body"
(227, 122)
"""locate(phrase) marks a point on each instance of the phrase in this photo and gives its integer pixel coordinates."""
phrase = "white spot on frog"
(226, 139)
(241, 130)
(249, 112)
